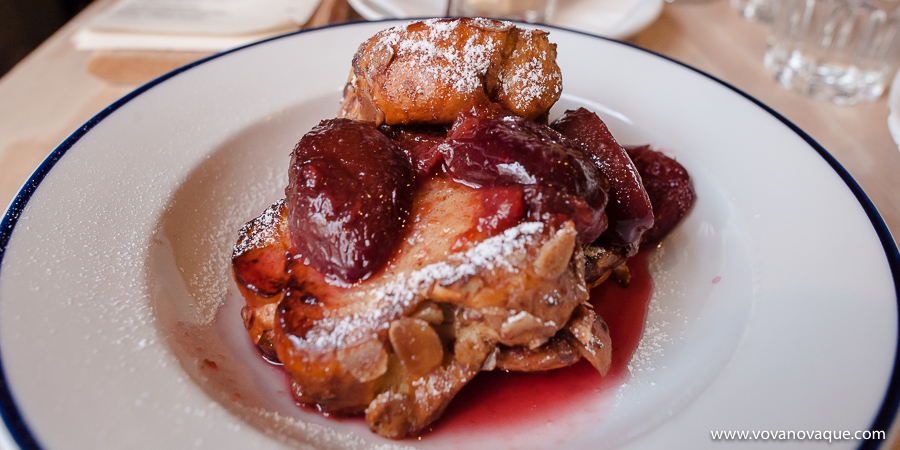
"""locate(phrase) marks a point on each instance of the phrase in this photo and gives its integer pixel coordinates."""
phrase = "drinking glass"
(843, 51)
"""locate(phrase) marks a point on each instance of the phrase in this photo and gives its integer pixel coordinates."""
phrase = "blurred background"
(24, 24)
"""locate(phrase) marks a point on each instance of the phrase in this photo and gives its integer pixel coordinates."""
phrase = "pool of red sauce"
(507, 400)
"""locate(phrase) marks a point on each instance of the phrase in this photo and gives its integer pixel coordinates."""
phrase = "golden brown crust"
(430, 71)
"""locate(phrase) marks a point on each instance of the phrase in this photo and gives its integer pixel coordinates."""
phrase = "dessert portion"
(440, 227)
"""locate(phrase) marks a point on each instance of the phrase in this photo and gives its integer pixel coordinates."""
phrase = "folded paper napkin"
(191, 25)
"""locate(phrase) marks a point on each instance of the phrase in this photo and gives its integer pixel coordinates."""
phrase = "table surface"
(57, 88)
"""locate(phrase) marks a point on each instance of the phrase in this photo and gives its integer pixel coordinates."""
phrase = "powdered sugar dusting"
(399, 293)
(203, 248)
(463, 68)
(265, 230)
(491, 24)
(658, 335)
(529, 79)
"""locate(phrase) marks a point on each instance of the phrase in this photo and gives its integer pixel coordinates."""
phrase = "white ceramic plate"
(617, 19)
(775, 305)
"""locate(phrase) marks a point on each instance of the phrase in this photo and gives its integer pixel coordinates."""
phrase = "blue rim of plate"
(23, 436)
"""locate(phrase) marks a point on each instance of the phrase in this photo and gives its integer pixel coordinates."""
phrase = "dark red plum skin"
(669, 187)
(629, 210)
(351, 185)
(420, 144)
(349, 195)
(557, 178)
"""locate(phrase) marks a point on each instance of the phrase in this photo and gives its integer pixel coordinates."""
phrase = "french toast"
(432, 232)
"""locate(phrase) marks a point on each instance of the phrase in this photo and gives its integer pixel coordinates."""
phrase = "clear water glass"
(842, 51)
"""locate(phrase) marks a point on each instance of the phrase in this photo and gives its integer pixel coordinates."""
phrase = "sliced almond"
(430, 312)
(522, 324)
(416, 344)
(487, 297)
(470, 349)
(591, 336)
(442, 294)
(555, 254)
(366, 361)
